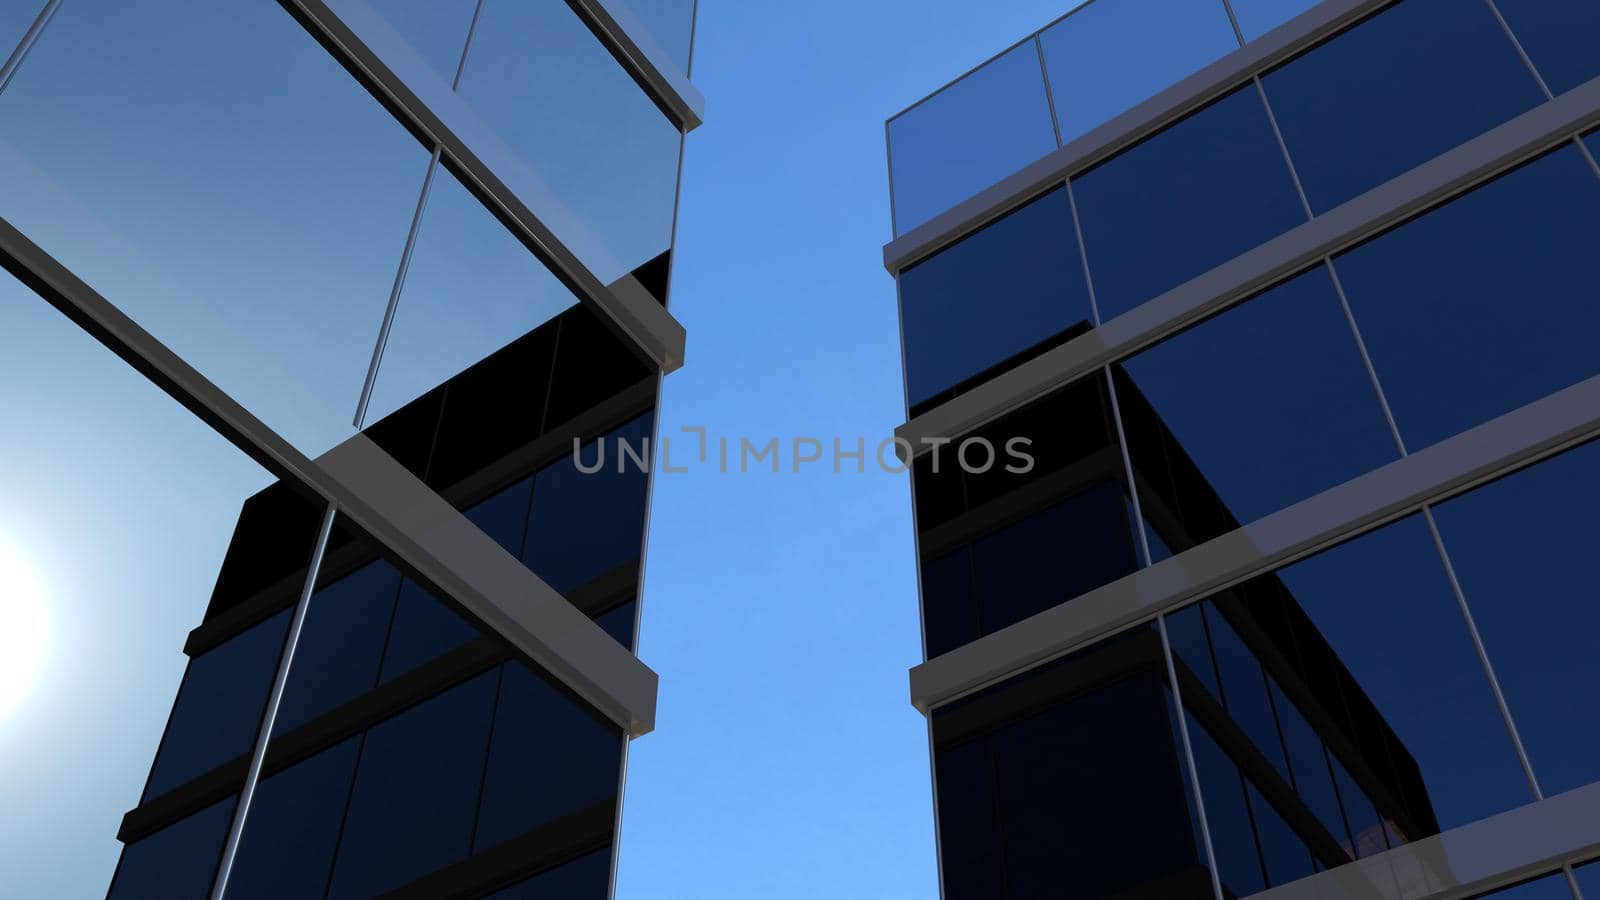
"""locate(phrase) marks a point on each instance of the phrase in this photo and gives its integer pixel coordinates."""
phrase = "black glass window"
(1470, 311)
(586, 878)
(549, 758)
(219, 706)
(341, 644)
(949, 613)
(504, 516)
(1261, 407)
(1393, 92)
(424, 628)
(1524, 548)
(289, 839)
(416, 791)
(586, 524)
(619, 623)
(969, 833)
(1190, 198)
(992, 300)
(1227, 814)
(1559, 36)
(176, 863)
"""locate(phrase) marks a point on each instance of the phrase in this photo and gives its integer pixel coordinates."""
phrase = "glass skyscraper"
(388, 283)
(1291, 311)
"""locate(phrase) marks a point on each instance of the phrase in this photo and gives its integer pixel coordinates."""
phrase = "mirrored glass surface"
(1550, 887)
(1523, 548)
(115, 508)
(1256, 409)
(1353, 714)
(1393, 92)
(1472, 310)
(668, 24)
(1257, 17)
(606, 154)
(435, 29)
(586, 878)
(178, 861)
(1558, 36)
(471, 288)
(1192, 197)
(288, 844)
(998, 297)
(244, 201)
(1109, 55)
(1589, 878)
(16, 17)
(968, 136)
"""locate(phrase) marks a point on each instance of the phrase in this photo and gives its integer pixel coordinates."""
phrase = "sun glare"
(22, 627)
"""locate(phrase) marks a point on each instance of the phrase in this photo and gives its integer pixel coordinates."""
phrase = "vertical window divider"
(1522, 53)
(1049, 93)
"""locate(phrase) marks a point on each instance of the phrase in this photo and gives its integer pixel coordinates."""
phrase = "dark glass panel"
(1550, 887)
(592, 365)
(549, 758)
(585, 878)
(219, 706)
(1393, 92)
(1470, 311)
(436, 29)
(949, 615)
(938, 495)
(407, 434)
(1270, 403)
(416, 788)
(504, 516)
(992, 300)
(969, 833)
(1308, 762)
(1190, 198)
(1191, 646)
(288, 843)
(495, 407)
(176, 863)
(1366, 826)
(270, 549)
(586, 524)
(1063, 443)
(424, 628)
(341, 644)
(1524, 549)
(1282, 851)
(1559, 36)
(1244, 690)
(1233, 840)
(1589, 879)
(619, 623)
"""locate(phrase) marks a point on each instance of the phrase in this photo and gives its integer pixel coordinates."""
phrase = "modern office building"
(409, 263)
(1291, 304)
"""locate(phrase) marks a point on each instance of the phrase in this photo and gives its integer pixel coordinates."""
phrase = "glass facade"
(322, 289)
(1333, 702)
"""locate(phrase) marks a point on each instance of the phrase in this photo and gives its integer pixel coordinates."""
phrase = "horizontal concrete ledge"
(1516, 439)
(1479, 159)
(1126, 129)
(1463, 862)
(367, 45)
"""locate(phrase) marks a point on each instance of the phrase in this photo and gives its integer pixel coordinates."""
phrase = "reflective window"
(592, 365)
(1192, 197)
(189, 195)
(471, 288)
(288, 843)
(424, 628)
(998, 297)
(949, 615)
(504, 515)
(1393, 92)
(416, 791)
(219, 706)
(968, 136)
(1550, 887)
(1376, 686)
(1589, 879)
(613, 173)
(1263, 406)
(1523, 548)
(1106, 57)
(1257, 17)
(669, 24)
(1559, 36)
(619, 623)
(585, 878)
(177, 862)
(549, 758)
(1222, 789)
(341, 644)
(16, 17)
(586, 524)
(971, 865)
(436, 29)
(1469, 312)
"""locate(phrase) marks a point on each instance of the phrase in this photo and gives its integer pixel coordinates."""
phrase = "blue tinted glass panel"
(1191, 646)
(585, 878)
(1313, 780)
(1559, 36)
(471, 288)
(1282, 850)
(982, 304)
(1589, 879)
(504, 516)
(549, 758)
(969, 135)
(1244, 690)
(612, 176)
(668, 24)
(586, 524)
(416, 789)
(969, 832)
(1227, 813)
(1257, 17)
(949, 616)
(287, 846)
(301, 236)
(619, 623)
(1393, 92)
(1366, 825)
(435, 29)
(16, 17)
(219, 706)
(176, 863)
(1105, 58)
(1469, 311)
(1550, 887)
(341, 644)
(1270, 401)
(1192, 197)
(424, 628)
(1523, 548)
